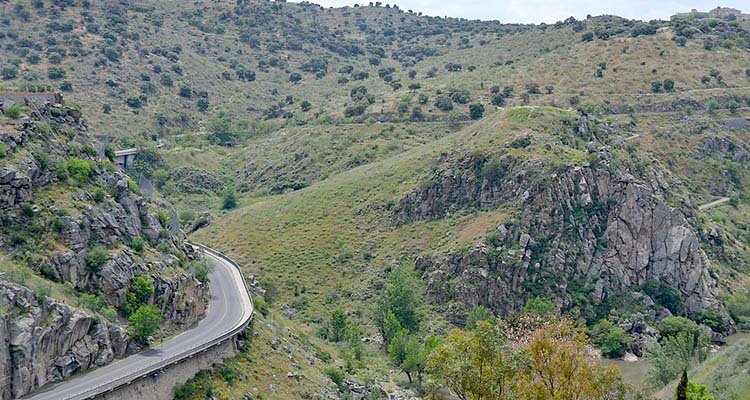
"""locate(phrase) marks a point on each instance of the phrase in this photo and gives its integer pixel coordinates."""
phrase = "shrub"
(336, 375)
(55, 73)
(539, 306)
(261, 305)
(612, 340)
(200, 270)
(99, 194)
(79, 169)
(674, 326)
(41, 159)
(476, 111)
(144, 322)
(738, 307)
(479, 313)
(133, 102)
(185, 92)
(138, 244)
(12, 111)
(3, 150)
(667, 296)
(202, 105)
(668, 85)
(733, 106)
(28, 211)
(230, 198)
(444, 103)
(9, 72)
(96, 258)
(712, 319)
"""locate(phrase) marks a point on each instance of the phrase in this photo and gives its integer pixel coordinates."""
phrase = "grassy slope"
(331, 242)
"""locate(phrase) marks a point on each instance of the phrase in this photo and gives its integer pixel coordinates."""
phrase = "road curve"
(230, 309)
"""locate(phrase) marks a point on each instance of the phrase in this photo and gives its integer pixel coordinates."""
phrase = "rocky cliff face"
(584, 234)
(43, 340)
(55, 221)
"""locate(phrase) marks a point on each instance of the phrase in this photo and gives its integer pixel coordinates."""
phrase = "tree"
(559, 366)
(612, 340)
(230, 198)
(144, 322)
(549, 89)
(479, 313)
(444, 103)
(409, 354)
(472, 364)
(305, 106)
(674, 326)
(681, 392)
(656, 87)
(142, 289)
(9, 72)
(733, 106)
(202, 105)
(339, 325)
(668, 85)
(186, 92)
(476, 110)
(399, 302)
(539, 306)
(221, 131)
(295, 77)
(96, 258)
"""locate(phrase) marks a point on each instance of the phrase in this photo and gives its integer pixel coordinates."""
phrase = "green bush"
(712, 319)
(200, 269)
(230, 198)
(99, 194)
(667, 296)
(674, 326)
(479, 313)
(3, 150)
(336, 375)
(12, 111)
(738, 307)
(41, 159)
(144, 322)
(96, 258)
(539, 306)
(138, 244)
(612, 340)
(261, 305)
(79, 169)
(476, 111)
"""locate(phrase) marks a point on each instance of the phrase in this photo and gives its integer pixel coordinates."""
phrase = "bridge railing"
(247, 317)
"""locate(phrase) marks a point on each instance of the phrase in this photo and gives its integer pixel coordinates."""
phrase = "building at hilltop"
(718, 12)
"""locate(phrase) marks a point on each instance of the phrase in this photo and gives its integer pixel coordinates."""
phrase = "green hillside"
(514, 170)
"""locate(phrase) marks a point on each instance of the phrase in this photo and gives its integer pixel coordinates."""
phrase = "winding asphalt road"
(229, 308)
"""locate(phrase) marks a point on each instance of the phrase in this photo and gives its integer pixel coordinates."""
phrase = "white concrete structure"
(124, 158)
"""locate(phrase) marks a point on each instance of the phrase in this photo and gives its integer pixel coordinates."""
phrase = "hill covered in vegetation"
(389, 176)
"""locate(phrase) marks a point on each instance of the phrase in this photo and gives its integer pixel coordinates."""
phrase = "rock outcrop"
(56, 220)
(44, 341)
(588, 230)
